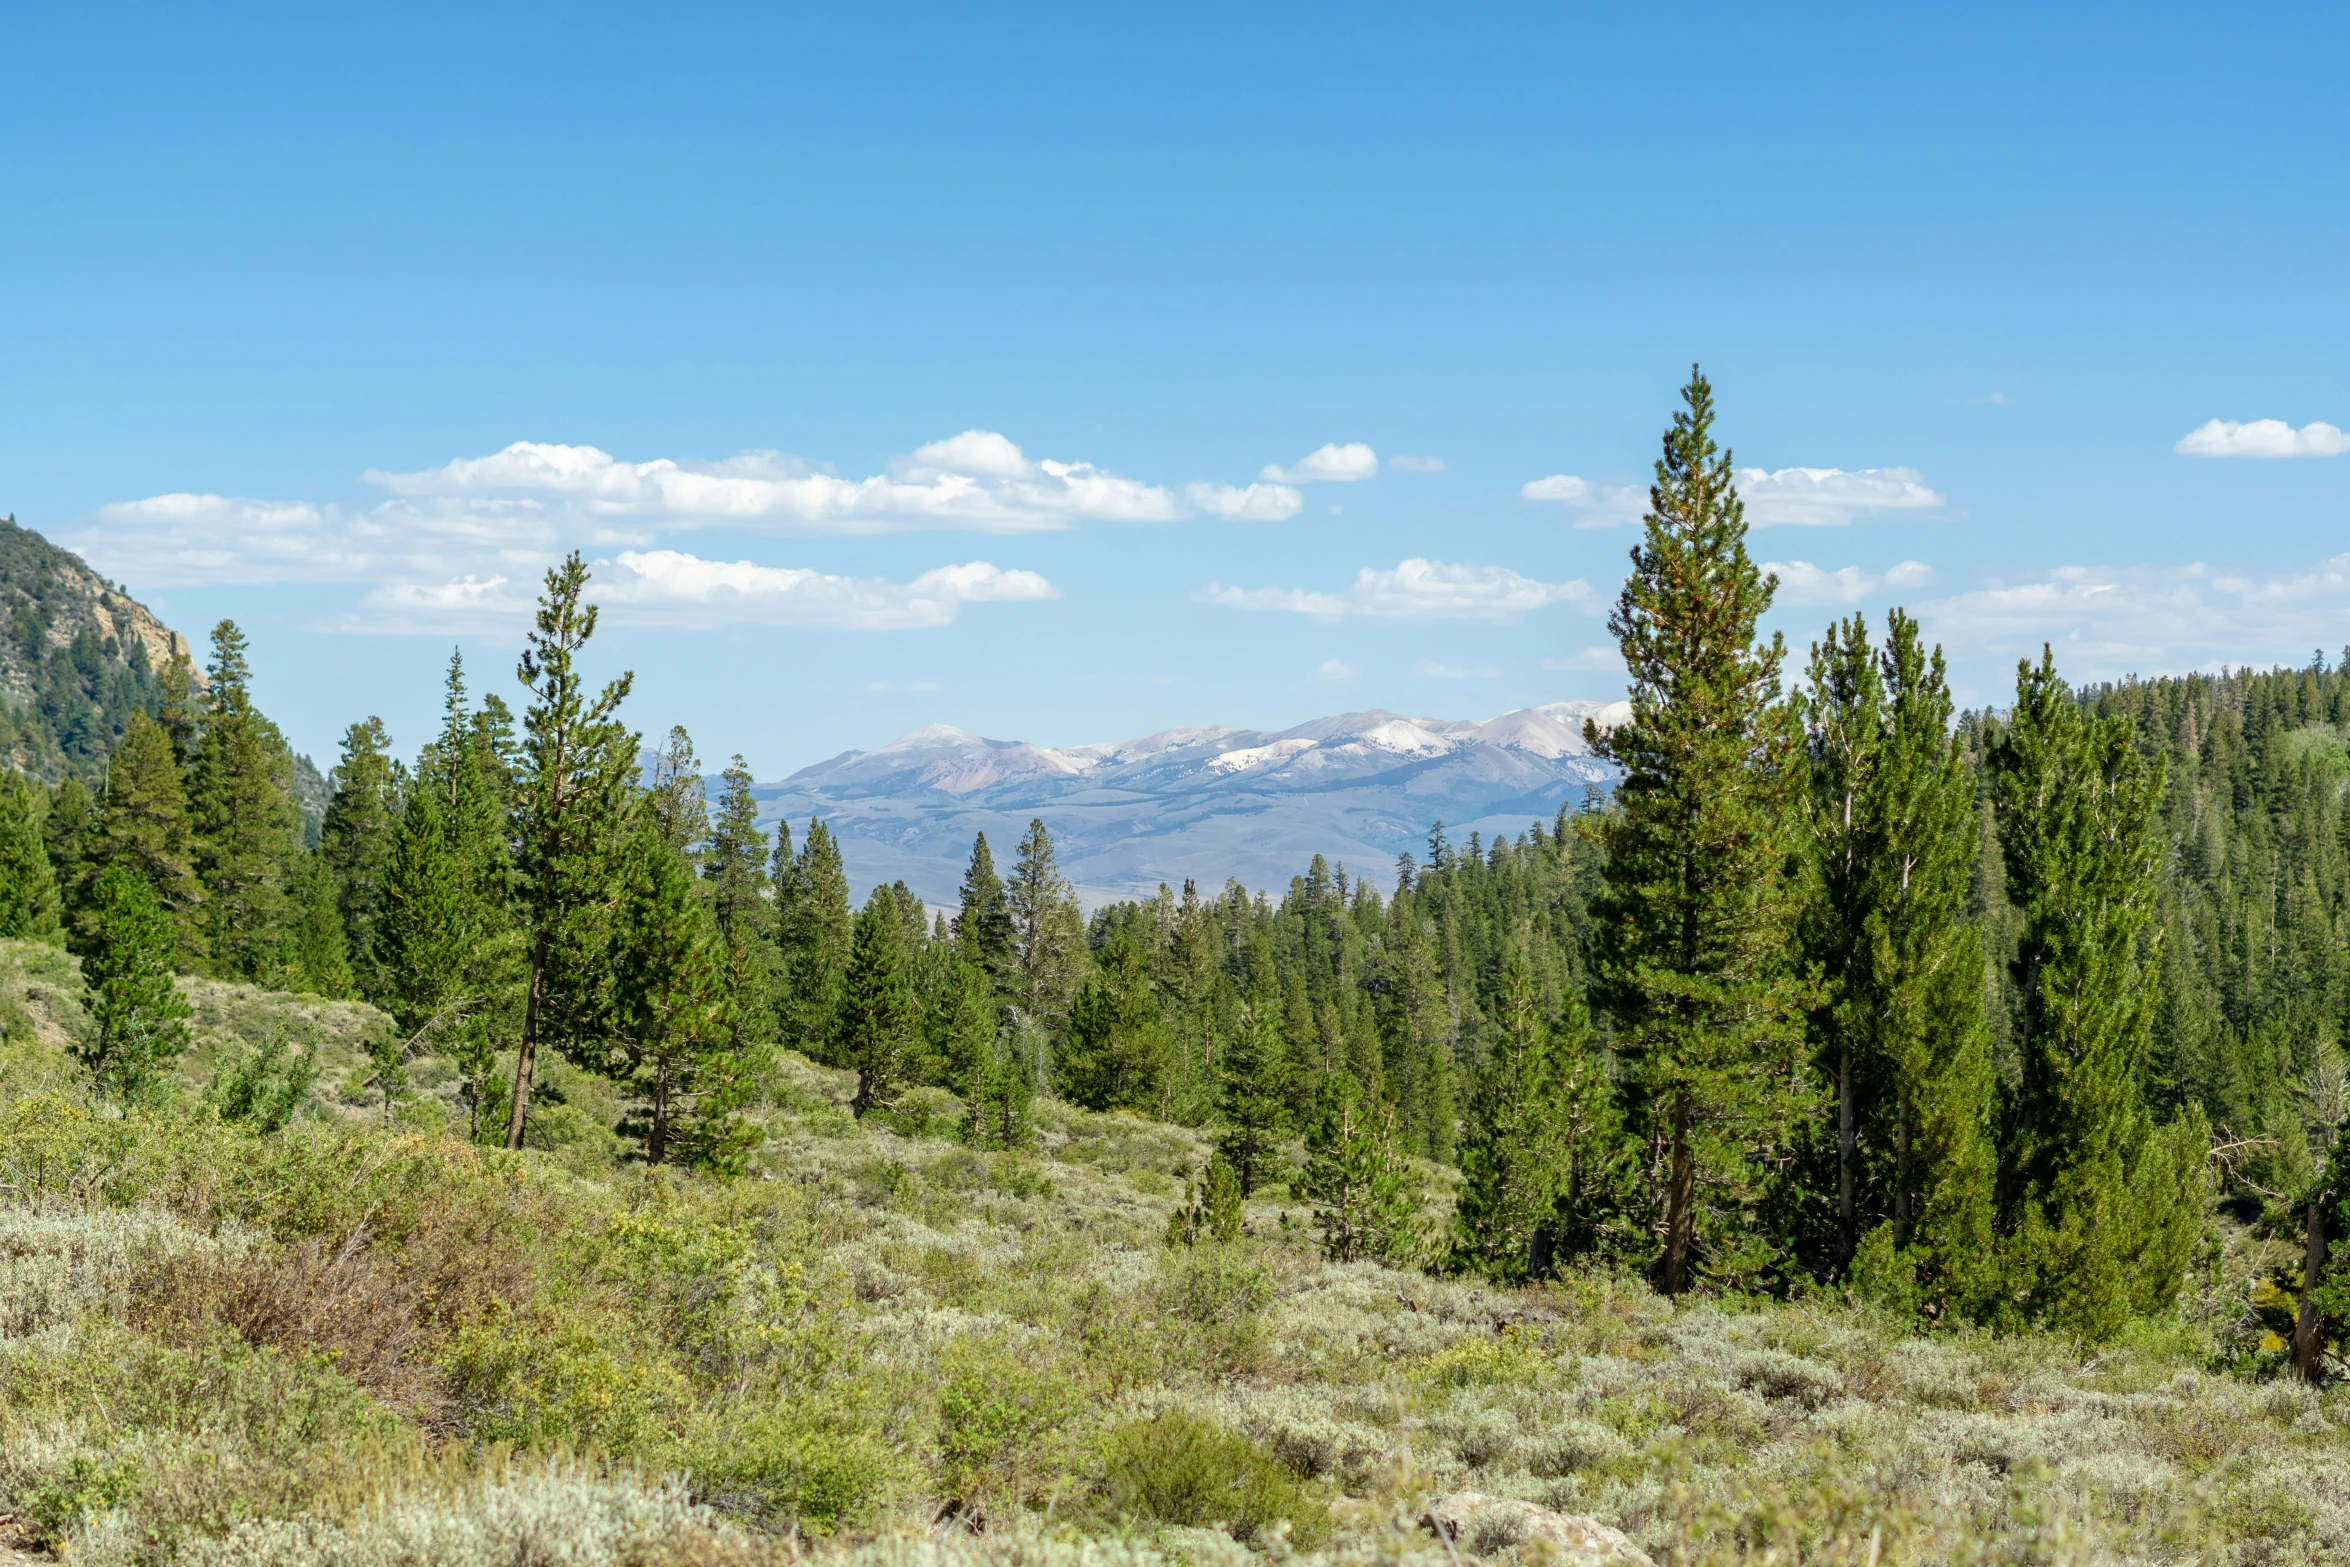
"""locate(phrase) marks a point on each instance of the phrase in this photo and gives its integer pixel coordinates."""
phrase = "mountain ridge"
(1198, 801)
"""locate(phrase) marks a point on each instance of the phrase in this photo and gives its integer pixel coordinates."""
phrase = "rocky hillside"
(78, 656)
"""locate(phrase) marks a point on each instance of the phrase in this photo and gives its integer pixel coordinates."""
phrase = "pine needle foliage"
(1692, 959)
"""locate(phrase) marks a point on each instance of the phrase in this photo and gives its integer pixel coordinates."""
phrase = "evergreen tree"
(1117, 1046)
(813, 932)
(1048, 932)
(736, 865)
(674, 1046)
(960, 1019)
(2101, 1207)
(140, 1020)
(1253, 1101)
(875, 1027)
(29, 907)
(736, 880)
(355, 839)
(1524, 1129)
(1358, 1178)
(145, 827)
(579, 765)
(247, 826)
(1691, 945)
(70, 833)
(1890, 810)
(679, 802)
(320, 949)
(998, 1095)
(983, 925)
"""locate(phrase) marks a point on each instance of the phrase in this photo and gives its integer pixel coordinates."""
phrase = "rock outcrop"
(1482, 1525)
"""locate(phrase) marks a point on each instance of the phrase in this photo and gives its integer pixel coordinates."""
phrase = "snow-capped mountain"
(1206, 802)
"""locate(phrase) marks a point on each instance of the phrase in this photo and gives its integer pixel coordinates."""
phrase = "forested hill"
(78, 656)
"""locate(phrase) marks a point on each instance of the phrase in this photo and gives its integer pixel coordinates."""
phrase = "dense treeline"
(1971, 1012)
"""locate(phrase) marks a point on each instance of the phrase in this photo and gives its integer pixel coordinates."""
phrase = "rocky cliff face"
(78, 656)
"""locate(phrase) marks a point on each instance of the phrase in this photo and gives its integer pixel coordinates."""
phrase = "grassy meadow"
(362, 1341)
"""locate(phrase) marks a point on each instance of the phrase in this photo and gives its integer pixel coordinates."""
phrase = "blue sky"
(917, 364)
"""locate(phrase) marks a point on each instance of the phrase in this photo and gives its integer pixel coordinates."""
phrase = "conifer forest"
(1848, 1030)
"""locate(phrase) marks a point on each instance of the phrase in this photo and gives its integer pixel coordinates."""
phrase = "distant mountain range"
(1206, 802)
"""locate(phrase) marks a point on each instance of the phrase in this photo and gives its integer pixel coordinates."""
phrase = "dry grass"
(346, 1344)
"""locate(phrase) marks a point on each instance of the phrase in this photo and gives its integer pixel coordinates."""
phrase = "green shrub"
(86, 1487)
(997, 1415)
(783, 1469)
(1182, 1470)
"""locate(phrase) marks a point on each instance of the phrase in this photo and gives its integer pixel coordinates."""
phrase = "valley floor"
(354, 1342)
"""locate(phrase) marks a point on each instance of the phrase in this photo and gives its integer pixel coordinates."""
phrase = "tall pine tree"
(248, 829)
(1692, 954)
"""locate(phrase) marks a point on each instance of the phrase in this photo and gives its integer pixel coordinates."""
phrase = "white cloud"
(1601, 505)
(2263, 438)
(1415, 590)
(668, 588)
(1435, 671)
(2112, 620)
(1251, 503)
(1417, 464)
(1801, 582)
(978, 480)
(1337, 669)
(1830, 497)
(1331, 464)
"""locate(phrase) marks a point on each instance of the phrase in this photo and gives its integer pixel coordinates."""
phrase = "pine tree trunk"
(1846, 1140)
(2308, 1341)
(1680, 1201)
(526, 1057)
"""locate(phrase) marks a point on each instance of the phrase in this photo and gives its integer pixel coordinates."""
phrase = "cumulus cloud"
(1599, 505)
(2263, 438)
(978, 480)
(2112, 620)
(1830, 497)
(670, 588)
(1417, 464)
(1337, 669)
(1801, 582)
(1331, 464)
(1416, 590)
(1249, 503)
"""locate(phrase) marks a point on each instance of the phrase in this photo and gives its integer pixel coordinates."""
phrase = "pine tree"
(1358, 1178)
(960, 1019)
(319, 948)
(1117, 1046)
(139, 1017)
(2102, 1209)
(674, 1046)
(1515, 1155)
(247, 827)
(813, 933)
(736, 866)
(70, 833)
(144, 825)
(736, 881)
(356, 837)
(875, 1027)
(679, 801)
(1253, 1101)
(998, 1095)
(29, 906)
(579, 768)
(1691, 958)
(1890, 812)
(1048, 932)
(984, 923)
